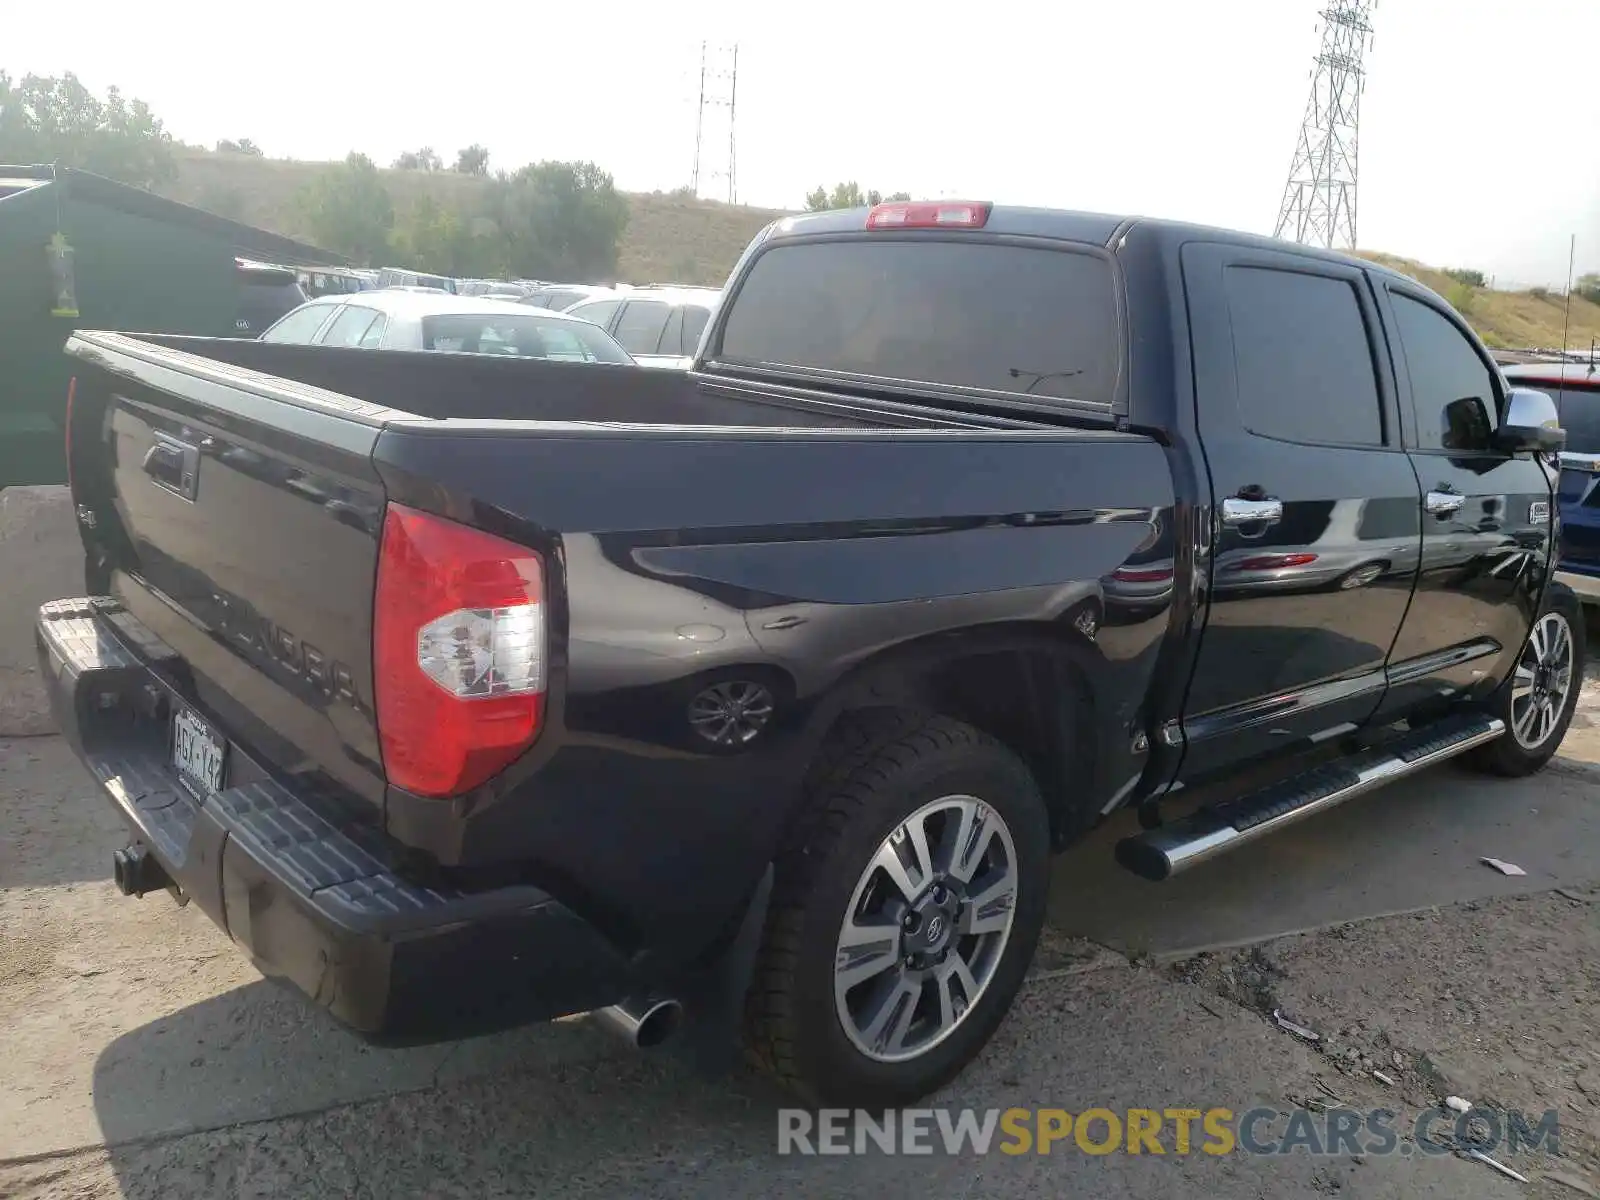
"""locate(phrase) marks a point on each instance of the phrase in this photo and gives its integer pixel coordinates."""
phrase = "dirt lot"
(142, 1057)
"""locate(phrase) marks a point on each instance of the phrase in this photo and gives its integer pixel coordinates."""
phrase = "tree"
(447, 241)
(847, 195)
(242, 146)
(51, 119)
(1588, 286)
(558, 220)
(1467, 276)
(418, 160)
(473, 160)
(347, 209)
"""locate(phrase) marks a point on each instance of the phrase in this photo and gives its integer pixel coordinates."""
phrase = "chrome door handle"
(1443, 504)
(1250, 512)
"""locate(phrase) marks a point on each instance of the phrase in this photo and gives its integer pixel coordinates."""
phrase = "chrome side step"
(1159, 854)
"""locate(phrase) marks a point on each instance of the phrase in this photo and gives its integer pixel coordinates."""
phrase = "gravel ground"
(1494, 1001)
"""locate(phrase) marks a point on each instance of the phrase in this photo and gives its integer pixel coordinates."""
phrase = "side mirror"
(1531, 423)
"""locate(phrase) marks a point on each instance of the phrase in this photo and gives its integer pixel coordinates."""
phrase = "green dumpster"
(78, 250)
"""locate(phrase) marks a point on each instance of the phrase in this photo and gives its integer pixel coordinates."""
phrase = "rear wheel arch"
(1032, 690)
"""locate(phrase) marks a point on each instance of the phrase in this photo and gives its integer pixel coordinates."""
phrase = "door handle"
(1443, 504)
(173, 465)
(1251, 512)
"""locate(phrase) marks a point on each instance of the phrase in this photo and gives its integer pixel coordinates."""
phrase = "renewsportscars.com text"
(1152, 1131)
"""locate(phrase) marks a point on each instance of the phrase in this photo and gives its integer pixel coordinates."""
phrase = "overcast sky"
(1161, 107)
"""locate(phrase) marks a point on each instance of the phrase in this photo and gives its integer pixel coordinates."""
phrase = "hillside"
(1506, 319)
(674, 238)
(669, 237)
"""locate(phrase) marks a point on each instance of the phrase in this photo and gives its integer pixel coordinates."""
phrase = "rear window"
(519, 335)
(1579, 405)
(962, 314)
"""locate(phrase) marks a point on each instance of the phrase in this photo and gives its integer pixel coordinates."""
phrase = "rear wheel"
(1538, 701)
(906, 912)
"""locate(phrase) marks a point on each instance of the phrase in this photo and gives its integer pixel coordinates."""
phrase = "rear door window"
(672, 335)
(350, 327)
(1320, 390)
(982, 315)
(640, 325)
(694, 324)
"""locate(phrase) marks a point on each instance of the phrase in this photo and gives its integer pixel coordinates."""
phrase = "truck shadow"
(280, 1101)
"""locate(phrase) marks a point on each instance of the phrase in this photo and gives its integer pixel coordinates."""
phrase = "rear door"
(1487, 515)
(1315, 503)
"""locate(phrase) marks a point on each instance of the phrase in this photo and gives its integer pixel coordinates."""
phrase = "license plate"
(198, 754)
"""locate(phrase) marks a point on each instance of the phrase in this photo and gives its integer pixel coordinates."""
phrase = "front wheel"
(906, 911)
(1538, 701)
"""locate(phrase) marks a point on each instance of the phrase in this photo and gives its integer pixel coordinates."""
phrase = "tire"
(1364, 573)
(1515, 754)
(890, 771)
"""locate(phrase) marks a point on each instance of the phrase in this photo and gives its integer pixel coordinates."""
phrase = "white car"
(407, 320)
(659, 326)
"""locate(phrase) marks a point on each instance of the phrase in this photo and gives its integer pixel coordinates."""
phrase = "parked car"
(1575, 388)
(398, 277)
(481, 691)
(265, 293)
(562, 296)
(403, 319)
(332, 281)
(660, 327)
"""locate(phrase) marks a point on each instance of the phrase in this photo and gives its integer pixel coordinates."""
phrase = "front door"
(1315, 504)
(1486, 525)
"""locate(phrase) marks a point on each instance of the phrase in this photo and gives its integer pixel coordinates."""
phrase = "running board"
(1161, 853)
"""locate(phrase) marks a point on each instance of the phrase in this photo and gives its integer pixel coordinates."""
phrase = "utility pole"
(719, 98)
(1319, 201)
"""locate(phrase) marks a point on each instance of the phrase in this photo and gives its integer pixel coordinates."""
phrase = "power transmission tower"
(1319, 201)
(719, 96)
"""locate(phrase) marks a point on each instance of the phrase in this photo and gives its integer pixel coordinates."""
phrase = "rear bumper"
(1587, 587)
(310, 902)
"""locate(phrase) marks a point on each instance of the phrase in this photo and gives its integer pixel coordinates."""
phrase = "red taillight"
(1273, 562)
(1142, 574)
(72, 394)
(929, 214)
(458, 638)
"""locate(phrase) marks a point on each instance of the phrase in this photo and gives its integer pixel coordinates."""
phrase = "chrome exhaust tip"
(643, 1024)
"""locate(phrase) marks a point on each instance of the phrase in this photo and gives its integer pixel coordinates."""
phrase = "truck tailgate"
(212, 484)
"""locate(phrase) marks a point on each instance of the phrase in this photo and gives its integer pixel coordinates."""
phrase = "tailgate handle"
(174, 465)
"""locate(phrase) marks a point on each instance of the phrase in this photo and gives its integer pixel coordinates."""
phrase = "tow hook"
(135, 871)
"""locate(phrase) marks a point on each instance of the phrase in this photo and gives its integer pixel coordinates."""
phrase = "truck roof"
(1098, 229)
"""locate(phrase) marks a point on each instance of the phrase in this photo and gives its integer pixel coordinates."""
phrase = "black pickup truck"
(464, 691)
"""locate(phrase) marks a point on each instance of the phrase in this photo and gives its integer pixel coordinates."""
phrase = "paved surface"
(141, 1056)
(41, 559)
